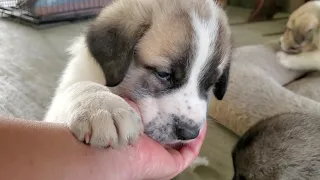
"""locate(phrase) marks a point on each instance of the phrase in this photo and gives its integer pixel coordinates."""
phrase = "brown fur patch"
(161, 44)
(156, 34)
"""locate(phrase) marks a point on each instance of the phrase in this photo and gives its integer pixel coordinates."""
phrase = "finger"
(154, 161)
(185, 156)
(191, 150)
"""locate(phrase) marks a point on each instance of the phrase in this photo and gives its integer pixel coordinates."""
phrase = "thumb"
(188, 153)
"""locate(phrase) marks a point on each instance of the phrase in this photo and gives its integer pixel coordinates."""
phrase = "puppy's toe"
(129, 125)
(80, 127)
(95, 128)
(285, 60)
(104, 131)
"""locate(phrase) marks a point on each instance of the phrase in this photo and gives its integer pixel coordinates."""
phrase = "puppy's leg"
(302, 61)
(90, 110)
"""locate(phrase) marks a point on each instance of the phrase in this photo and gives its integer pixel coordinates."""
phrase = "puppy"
(300, 42)
(167, 56)
(283, 147)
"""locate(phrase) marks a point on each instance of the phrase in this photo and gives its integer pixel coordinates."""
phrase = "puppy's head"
(301, 33)
(168, 57)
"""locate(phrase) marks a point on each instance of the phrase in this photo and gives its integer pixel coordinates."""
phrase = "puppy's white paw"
(103, 128)
(285, 60)
(281, 55)
(100, 118)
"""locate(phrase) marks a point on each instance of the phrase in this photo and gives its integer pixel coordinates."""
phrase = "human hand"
(147, 159)
(154, 162)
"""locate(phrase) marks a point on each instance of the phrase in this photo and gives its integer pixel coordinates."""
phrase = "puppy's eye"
(163, 75)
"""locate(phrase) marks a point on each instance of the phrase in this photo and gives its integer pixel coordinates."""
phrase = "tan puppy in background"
(300, 41)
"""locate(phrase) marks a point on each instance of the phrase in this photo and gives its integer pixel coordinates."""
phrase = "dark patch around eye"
(163, 74)
(178, 73)
(181, 58)
(180, 66)
(298, 37)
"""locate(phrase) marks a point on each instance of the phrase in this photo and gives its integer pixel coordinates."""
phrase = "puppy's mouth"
(292, 52)
(176, 144)
(134, 106)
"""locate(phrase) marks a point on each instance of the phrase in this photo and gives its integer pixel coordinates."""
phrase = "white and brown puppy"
(282, 147)
(300, 42)
(167, 56)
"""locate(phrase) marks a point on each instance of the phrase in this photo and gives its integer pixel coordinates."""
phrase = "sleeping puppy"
(283, 147)
(167, 56)
(300, 42)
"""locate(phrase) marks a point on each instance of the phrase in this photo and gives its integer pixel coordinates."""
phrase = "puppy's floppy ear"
(222, 83)
(112, 37)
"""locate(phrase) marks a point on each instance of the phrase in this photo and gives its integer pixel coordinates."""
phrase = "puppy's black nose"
(187, 132)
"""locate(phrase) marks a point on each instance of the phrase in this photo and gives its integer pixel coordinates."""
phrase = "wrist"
(115, 164)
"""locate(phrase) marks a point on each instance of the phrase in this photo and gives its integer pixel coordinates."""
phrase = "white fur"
(84, 103)
(82, 67)
(198, 162)
(303, 61)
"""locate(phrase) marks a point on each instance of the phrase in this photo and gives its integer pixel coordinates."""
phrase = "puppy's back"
(309, 7)
(285, 146)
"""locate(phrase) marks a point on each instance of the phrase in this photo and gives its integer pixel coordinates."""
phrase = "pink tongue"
(133, 105)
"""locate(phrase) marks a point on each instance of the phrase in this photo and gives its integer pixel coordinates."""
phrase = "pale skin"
(33, 150)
